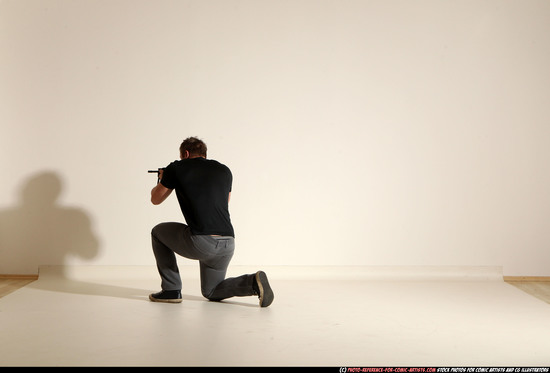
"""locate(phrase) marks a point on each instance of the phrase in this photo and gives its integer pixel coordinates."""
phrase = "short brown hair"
(194, 146)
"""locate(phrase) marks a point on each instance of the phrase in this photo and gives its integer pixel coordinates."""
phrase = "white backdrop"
(359, 132)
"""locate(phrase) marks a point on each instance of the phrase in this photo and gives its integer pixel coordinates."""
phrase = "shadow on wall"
(39, 231)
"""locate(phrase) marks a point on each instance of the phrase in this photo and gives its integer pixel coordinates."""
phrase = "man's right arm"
(159, 193)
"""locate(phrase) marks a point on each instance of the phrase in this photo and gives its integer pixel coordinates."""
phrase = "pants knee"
(208, 294)
(156, 229)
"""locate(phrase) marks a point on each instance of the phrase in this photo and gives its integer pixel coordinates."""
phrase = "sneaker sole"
(153, 299)
(266, 294)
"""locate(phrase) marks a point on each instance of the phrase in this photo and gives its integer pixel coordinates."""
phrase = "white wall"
(359, 132)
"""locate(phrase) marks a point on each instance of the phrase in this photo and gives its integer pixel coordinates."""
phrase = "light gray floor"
(101, 316)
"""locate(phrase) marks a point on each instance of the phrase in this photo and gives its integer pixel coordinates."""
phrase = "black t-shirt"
(202, 187)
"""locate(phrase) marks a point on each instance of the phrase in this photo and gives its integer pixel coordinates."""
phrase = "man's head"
(192, 147)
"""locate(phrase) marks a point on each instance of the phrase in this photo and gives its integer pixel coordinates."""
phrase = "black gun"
(156, 172)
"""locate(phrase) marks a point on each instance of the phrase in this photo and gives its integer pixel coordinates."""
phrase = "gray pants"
(213, 253)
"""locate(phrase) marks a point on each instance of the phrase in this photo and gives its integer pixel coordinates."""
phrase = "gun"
(156, 172)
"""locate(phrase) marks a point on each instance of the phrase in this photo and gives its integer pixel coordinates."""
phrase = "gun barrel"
(153, 171)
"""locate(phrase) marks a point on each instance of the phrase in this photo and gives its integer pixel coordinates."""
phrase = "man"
(203, 189)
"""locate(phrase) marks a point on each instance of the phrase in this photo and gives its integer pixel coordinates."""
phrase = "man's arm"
(159, 193)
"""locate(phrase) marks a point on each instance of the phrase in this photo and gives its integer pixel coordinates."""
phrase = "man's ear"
(184, 155)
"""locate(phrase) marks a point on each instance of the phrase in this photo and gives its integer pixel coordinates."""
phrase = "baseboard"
(365, 273)
(505, 278)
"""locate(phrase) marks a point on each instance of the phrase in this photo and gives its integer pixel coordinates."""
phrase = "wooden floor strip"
(18, 277)
(526, 279)
(9, 285)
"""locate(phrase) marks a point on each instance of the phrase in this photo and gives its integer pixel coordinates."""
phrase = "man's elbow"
(159, 194)
(156, 201)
